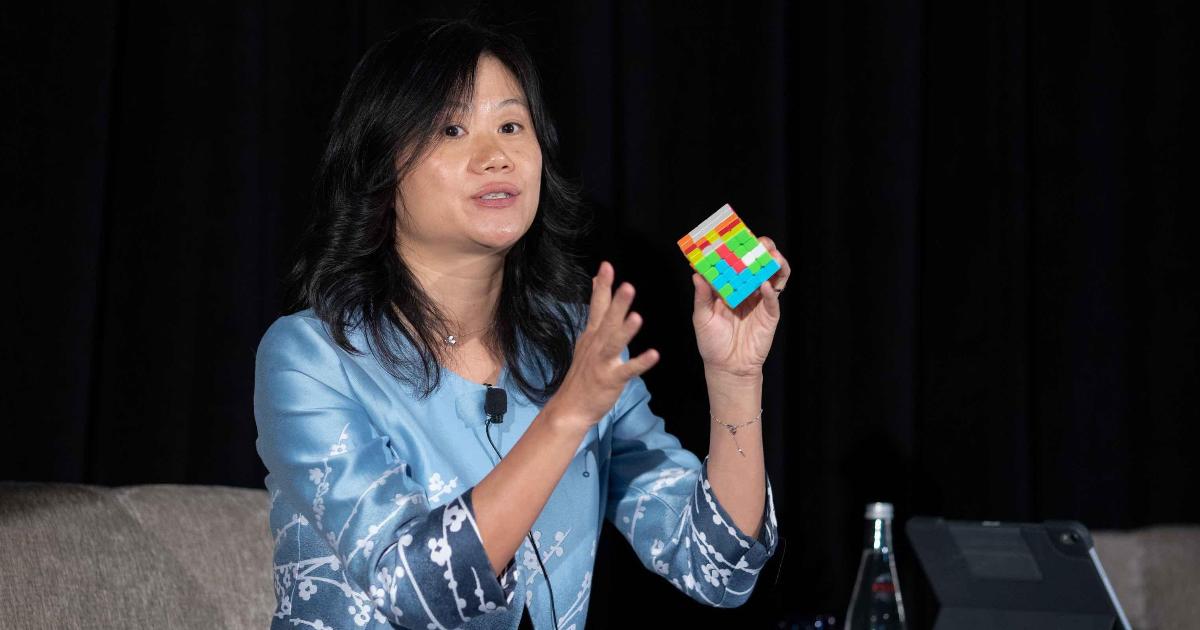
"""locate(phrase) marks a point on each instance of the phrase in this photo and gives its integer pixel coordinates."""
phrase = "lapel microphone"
(495, 404)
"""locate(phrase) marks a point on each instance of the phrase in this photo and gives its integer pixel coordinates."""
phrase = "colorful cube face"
(726, 253)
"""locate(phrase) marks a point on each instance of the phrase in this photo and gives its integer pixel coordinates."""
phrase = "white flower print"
(639, 511)
(439, 550)
(377, 594)
(484, 606)
(321, 479)
(361, 612)
(401, 499)
(710, 573)
(340, 447)
(285, 605)
(668, 477)
(714, 575)
(662, 567)
(435, 482)
(656, 547)
(307, 588)
(384, 578)
(437, 487)
(319, 510)
(530, 560)
(453, 517)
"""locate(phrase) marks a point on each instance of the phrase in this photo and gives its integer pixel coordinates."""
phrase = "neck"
(466, 287)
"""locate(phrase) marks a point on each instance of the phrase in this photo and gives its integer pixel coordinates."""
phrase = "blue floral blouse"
(370, 491)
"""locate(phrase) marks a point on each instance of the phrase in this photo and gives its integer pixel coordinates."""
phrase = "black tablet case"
(990, 575)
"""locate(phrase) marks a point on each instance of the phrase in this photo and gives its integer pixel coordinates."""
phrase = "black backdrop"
(994, 308)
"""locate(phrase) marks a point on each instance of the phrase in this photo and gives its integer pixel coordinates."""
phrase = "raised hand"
(736, 341)
(597, 374)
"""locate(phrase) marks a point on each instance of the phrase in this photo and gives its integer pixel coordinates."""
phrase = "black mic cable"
(495, 405)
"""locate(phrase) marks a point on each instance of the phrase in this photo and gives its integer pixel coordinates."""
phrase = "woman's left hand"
(736, 341)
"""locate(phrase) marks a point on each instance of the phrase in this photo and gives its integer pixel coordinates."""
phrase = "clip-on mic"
(495, 404)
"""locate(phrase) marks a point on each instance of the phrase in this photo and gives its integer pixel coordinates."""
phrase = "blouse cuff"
(495, 592)
(449, 551)
(712, 519)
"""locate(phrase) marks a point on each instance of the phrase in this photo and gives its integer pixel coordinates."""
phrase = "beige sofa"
(152, 556)
(169, 556)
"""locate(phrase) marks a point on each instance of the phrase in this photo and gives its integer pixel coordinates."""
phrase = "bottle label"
(883, 588)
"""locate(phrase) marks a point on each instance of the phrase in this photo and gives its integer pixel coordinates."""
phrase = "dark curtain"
(993, 312)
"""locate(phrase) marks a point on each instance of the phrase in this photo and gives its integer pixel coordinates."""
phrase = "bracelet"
(734, 427)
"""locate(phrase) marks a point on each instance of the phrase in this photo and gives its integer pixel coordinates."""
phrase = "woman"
(434, 272)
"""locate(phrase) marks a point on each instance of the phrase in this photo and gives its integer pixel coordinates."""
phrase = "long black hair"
(398, 98)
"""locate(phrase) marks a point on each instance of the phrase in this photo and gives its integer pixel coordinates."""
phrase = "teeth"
(496, 195)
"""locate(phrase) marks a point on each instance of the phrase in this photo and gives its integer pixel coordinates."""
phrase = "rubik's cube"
(726, 253)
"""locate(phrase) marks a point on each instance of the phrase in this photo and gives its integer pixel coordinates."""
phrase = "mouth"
(498, 195)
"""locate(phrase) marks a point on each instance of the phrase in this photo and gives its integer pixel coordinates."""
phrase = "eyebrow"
(463, 107)
(512, 101)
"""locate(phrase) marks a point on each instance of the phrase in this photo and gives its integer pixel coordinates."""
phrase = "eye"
(453, 131)
(511, 125)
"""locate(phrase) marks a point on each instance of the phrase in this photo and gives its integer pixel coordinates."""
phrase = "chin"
(502, 241)
(500, 233)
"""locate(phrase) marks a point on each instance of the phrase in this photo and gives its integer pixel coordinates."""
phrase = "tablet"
(990, 575)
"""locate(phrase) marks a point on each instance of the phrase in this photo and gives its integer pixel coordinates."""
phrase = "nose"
(490, 157)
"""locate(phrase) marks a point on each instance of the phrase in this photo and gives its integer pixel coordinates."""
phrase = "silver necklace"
(453, 339)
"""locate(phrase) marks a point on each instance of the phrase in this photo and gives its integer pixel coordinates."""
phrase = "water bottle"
(875, 603)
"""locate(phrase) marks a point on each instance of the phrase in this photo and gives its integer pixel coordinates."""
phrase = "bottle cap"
(879, 510)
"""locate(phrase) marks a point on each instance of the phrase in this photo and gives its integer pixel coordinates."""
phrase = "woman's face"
(477, 189)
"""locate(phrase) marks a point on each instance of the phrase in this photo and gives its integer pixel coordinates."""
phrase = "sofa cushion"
(1153, 571)
(220, 535)
(78, 556)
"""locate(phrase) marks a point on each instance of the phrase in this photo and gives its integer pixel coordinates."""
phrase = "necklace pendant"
(451, 339)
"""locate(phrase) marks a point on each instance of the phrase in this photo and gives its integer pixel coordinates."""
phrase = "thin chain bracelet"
(734, 427)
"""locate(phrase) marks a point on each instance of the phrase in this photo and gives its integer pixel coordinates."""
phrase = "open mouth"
(497, 195)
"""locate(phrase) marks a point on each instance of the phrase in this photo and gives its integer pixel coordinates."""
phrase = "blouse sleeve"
(661, 501)
(414, 565)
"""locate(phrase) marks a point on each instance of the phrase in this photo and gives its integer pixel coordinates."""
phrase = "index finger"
(785, 270)
(601, 294)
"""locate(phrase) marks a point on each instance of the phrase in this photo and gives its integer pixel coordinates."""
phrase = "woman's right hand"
(597, 375)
